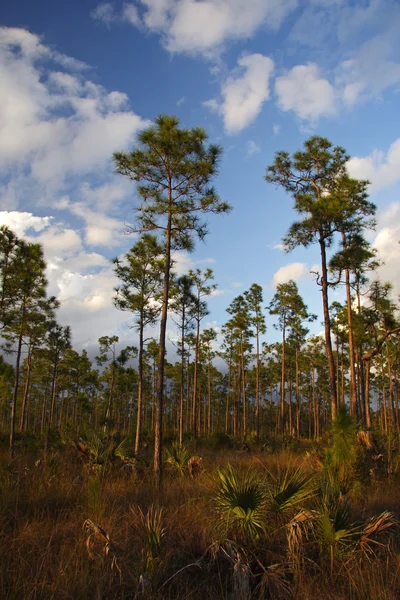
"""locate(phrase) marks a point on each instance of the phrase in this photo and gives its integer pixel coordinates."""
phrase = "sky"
(80, 79)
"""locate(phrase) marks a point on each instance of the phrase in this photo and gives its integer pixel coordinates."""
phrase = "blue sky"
(80, 79)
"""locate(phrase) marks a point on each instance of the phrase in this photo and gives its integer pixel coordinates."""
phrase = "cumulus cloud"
(294, 271)
(380, 168)
(387, 243)
(58, 131)
(22, 222)
(244, 92)
(83, 281)
(204, 27)
(369, 72)
(105, 13)
(53, 123)
(304, 91)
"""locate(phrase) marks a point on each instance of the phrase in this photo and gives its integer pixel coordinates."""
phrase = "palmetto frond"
(291, 487)
(177, 457)
(241, 502)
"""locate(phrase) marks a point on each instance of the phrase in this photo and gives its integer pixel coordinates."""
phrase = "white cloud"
(276, 129)
(204, 27)
(369, 72)
(387, 243)
(253, 148)
(280, 247)
(244, 92)
(380, 168)
(83, 281)
(59, 241)
(22, 222)
(55, 124)
(104, 12)
(130, 14)
(100, 230)
(304, 91)
(293, 271)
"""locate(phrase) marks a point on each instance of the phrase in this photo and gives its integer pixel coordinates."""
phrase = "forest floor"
(70, 529)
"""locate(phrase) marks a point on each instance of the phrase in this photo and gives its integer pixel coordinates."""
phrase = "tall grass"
(282, 536)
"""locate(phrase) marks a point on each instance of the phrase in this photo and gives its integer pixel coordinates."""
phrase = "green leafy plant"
(292, 486)
(177, 457)
(150, 530)
(241, 502)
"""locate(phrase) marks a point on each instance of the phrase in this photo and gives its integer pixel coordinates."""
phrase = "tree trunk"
(26, 390)
(140, 388)
(161, 356)
(182, 378)
(353, 384)
(195, 366)
(298, 432)
(257, 385)
(53, 395)
(243, 392)
(283, 379)
(368, 421)
(16, 384)
(327, 327)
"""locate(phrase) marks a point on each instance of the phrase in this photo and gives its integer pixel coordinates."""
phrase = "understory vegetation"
(85, 520)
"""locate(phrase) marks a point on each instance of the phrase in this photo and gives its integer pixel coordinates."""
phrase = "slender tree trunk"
(290, 407)
(182, 378)
(391, 395)
(298, 432)
(314, 402)
(53, 394)
(243, 377)
(257, 385)
(209, 399)
(195, 367)
(227, 401)
(353, 384)
(368, 421)
(109, 410)
(327, 327)
(140, 388)
(283, 379)
(161, 354)
(385, 418)
(26, 390)
(16, 385)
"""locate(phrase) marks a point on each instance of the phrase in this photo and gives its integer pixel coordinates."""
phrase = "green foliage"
(291, 487)
(340, 461)
(218, 440)
(177, 457)
(240, 500)
(150, 531)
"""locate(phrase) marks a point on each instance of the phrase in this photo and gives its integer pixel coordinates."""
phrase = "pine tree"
(173, 168)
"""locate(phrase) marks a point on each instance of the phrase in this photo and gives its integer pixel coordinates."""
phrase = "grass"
(67, 532)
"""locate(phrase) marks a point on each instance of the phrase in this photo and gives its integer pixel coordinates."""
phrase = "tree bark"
(327, 327)
(161, 354)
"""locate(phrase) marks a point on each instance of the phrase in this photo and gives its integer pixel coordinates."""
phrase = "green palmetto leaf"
(240, 501)
(177, 457)
(290, 488)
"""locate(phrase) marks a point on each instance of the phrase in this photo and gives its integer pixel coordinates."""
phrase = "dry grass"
(69, 533)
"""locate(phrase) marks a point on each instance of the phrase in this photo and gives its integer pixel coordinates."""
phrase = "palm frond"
(293, 486)
(241, 502)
